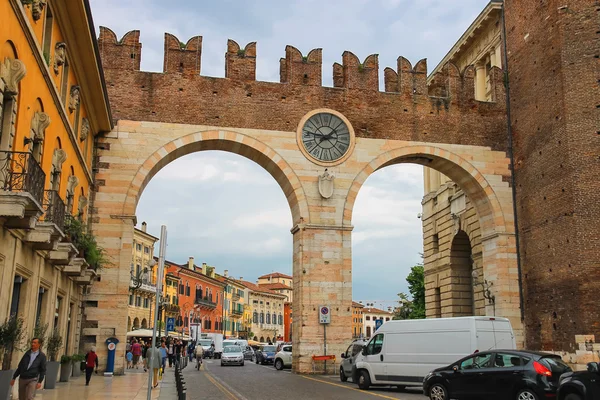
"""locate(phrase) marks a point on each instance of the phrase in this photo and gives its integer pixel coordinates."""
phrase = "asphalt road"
(258, 382)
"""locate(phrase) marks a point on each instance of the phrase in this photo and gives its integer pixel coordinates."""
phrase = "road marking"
(221, 387)
(272, 368)
(349, 388)
(224, 387)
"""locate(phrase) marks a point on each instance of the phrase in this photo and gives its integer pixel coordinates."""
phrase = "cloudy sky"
(210, 201)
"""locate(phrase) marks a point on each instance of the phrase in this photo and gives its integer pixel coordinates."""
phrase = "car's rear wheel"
(438, 392)
(527, 394)
(222, 365)
(573, 396)
(364, 380)
(343, 376)
(278, 364)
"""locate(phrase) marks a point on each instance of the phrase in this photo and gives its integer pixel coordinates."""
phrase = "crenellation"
(125, 54)
(299, 70)
(179, 58)
(240, 64)
(363, 76)
(390, 80)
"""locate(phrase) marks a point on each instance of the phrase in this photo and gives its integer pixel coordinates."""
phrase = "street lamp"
(140, 277)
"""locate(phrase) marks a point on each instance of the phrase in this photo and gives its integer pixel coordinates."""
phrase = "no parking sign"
(324, 315)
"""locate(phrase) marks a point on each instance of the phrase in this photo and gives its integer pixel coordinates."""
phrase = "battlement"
(296, 69)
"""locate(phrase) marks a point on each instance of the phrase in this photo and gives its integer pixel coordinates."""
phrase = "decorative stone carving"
(58, 158)
(83, 202)
(39, 123)
(72, 183)
(326, 184)
(85, 129)
(12, 71)
(60, 55)
(74, 100)
(37, 7)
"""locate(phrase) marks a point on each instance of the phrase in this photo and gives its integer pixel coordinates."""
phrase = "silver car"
(232, 355)
(349, 358)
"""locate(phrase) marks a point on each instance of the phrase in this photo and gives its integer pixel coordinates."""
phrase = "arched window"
(262, 339)
(280, 319)
(187, 288)
(268, 318)
(262, 317)
(274, 319)
(255, 317)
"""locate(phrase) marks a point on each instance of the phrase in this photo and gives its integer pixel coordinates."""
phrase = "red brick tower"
(553, 50)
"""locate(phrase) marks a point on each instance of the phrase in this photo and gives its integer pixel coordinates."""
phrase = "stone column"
(322, 276)
(480, 88)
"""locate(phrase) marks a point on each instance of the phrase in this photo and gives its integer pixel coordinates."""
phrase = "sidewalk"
(131, 386)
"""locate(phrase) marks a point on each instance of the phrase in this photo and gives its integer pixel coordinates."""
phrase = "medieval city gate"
(162, 117)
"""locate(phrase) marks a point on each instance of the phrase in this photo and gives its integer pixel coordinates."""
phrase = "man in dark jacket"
(32, 370)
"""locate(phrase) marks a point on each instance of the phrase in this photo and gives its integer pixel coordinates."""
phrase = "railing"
(205, 302)
(172, 308)
(235, 296)
(20, 172)
(237, 312)
(136, 285)
(54, 208)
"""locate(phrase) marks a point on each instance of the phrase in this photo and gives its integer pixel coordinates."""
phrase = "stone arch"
(136, 323)
(461, 270)
(262, 339)
(455, 167)
(144, 324)
(230, 141)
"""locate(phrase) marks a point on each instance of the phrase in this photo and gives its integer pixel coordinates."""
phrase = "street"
(258, 382)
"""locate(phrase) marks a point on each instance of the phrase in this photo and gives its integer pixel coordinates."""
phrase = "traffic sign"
(324, 315)
(170, 324)
(378, 323)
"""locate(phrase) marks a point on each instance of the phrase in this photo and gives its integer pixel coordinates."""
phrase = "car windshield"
(232, 349)
(205, 343)
(268, 348)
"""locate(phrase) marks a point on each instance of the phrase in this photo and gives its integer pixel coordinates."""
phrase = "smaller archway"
(268, 339)
(255, 339)
(262, 339)
(461, 270)
(144, 324)
(136, 323)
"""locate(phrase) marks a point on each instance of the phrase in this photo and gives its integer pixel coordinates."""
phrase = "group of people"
(167, 349)
(31, 370)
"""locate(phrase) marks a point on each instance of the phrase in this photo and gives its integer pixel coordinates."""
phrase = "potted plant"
(78, 364)
(66, 366)
(55, 343)
(11, 336)
(86, 244)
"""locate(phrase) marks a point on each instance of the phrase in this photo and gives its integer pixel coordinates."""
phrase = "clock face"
(326, 137)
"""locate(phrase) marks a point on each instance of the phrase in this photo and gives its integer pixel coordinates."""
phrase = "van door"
(503, 335)
(376, 359)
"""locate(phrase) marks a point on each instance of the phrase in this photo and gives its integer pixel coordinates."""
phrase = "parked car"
(248, 353)
(265, 354)
(283, 359)
(402, 352)
(498, 374)
(232, 355)
(581, 385)
(349, 358)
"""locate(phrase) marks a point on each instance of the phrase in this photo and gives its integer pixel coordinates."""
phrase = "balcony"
(21, 189)
(236, 313)
(144, 286)
(204, 302)
(54, 209)
(49, 231)
(235, 297)
(172, 308)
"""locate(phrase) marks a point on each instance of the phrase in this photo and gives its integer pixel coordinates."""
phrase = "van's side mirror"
(455, 368)
(364, 351)
(343, 355)
(593, 367)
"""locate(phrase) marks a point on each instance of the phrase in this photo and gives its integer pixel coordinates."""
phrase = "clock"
(325, 136)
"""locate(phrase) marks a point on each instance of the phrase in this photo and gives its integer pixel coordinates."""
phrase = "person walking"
(31, 370)
(154, 362)
(199, 352)
(91, 361)
(171, 353)
(163, 356)
(136, 349)
(178, 347)
(129, 360)
(145, 346)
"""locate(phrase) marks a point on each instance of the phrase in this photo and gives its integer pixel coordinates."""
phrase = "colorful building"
(53, 103)
(282, 284)
(371, 316)
(142, 285)
(233, 306)
(267, 313)
(357, 320)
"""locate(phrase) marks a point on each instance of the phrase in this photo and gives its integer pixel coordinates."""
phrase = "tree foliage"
(412, 308)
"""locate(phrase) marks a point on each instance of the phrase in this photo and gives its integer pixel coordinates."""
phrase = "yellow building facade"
(235, 297)
(52, 105)
(144, 278)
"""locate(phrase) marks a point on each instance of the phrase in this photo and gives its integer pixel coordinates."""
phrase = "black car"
(582, 385)
(497, 374)
(265, 354)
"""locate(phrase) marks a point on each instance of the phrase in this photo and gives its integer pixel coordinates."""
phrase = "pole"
(325, 345)
(161, 266)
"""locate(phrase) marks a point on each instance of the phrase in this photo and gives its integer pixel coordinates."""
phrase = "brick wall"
(553, 49)
(404, 112)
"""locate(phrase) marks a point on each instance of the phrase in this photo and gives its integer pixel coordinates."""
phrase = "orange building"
(200, 297)
(287, 322)
(357, 320)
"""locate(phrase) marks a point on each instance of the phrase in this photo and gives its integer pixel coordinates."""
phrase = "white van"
(402, 353)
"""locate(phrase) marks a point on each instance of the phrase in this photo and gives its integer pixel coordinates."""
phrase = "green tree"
(416, 287)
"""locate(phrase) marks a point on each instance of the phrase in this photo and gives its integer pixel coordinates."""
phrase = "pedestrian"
(144, 351)
(163, 356)
(136, 349)
(91, 361)
(32, 370)
(178, 347)
(129, 359)
(154, 362)
(199, 352)
(171, 353)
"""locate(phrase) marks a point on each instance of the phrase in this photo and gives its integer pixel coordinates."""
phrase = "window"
(47, 38)
(280, 319)
(262, 317)
(255, 317)
(274, 319)
(503, 360)
(14, 304)
(181, 289)
(478, 361)
(375, 345)
(268, 318)
(38, 314)
(368, 317)
(187, 289)
(146, 249)
(130, 299)
(146, 302)
(64, 82)
(138, 301)
(387, 319)
(138, 247)
(435, 243)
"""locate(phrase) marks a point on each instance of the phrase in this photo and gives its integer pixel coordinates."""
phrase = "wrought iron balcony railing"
(20, 172)
(237, 313)
(235, 296)
(54, 208)
(205, 302)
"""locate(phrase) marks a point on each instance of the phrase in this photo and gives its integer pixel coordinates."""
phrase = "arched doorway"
(144, 324)
(136, 323)
(461, 267)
